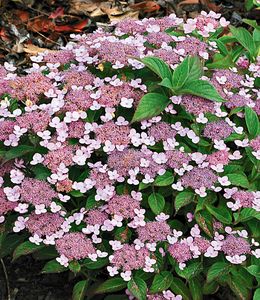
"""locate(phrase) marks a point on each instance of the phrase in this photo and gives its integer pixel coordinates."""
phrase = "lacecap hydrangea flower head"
(132, 157)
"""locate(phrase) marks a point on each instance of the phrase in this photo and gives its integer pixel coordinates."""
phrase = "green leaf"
(252, 122)
(249, 4)
(18, 152)
(205, 221)
(195, 289)
(137, 287)
(93, 265)
(164, 180)
(158, 66)
(203, 89)
(254, 270)
(166, 82)
(217, 270)
(74, 266)
(179, 288)
(238, 288)
(238, 179)
(190, 271)
(210, 288)
(245, 39)
(182, 199)
(111, 285)
(41, 172)
(189, 70)
(9, 242)
(25, 249)
(79, 290)
(161, 282)
(252, 23)
(222, 214)
(53, 266)
(151, 105)
(257, 294)
(156, 203)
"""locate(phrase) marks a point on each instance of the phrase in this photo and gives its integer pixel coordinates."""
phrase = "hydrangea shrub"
(132, 159)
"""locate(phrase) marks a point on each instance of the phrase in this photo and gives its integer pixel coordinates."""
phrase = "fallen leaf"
(3, 35)
(127, 15)
(57, 13)
(73, 28)
(146, 6)
(41, 24)
(22, 15)
(34, 50)
(83, 6)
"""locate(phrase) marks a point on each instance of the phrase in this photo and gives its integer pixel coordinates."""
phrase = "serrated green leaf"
(203, 89)
(53, 266)
(222, 214)
(158, 66)
(138, 288)
(151, 105)
(179, 288)
(111, 285)
(217, 270)
(238, 179)
(245, 39)
(182, 199)
(25, 249)
(156, 202)
(252, 122)
(164, 180)
(191, 270)
(161, 282)
(189, 70)
(79, 290)
(195, 289)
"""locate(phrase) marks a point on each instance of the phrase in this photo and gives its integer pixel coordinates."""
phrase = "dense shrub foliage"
(132, 159)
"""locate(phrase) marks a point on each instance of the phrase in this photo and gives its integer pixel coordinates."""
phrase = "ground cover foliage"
(131, 159)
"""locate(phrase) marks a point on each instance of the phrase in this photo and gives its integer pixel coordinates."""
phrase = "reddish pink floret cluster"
(117, 135)
(96, 217)
(219, 157)
(30, 87)
(37, 192)
(128, 258)
(161, 131)
(245, 198)
(77, 78)
(62, 57)
(5, 205)
(153, 232)
(35, 121)
(255, 143)
(180, 251)
(199, 177)
(217, 130)
(44, 224)
(233, 245)
(123, 205)
(176, 159)
(6, 128)
(197, 105)
(75, 245)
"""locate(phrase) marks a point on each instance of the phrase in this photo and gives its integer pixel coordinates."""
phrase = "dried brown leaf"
(34, 50)
(127, 15)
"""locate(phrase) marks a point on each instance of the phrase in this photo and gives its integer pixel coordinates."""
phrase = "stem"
(6, 279)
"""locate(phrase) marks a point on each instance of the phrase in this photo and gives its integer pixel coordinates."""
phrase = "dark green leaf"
(151, 105)
(222, 214)
(74, 266)
(217, 270)
(252, 122)
(238, 179)
(53, 266)
(26, 248)
(161, 282)
(164, 180)
(254, 270)
(182, 199)
(111, 285)
(93, 265)
(156, 203)
(190, 271)
(79, 290)
(18, 152)
(257, 294)
(195, 289)
(179, 288)
(137, 287)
